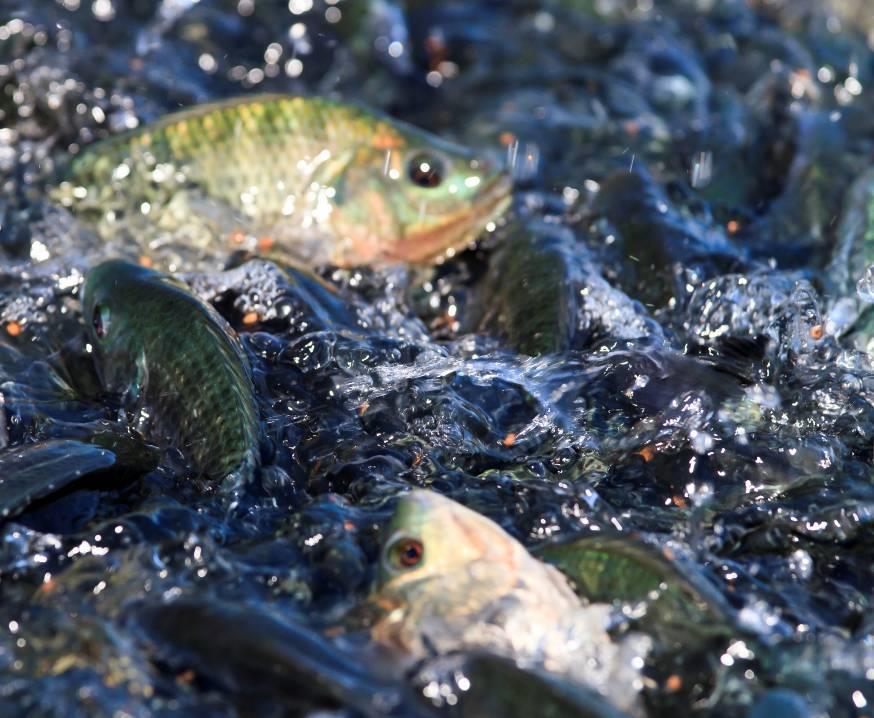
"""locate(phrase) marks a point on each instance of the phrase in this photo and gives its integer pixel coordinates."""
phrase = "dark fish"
(847, 275)
(661, 248)
(544, 293)
(261, 660)
(177, 363)
(35, 471)
(531, 294)
(499, 687)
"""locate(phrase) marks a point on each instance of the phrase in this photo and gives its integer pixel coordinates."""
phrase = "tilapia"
(623, 570)
(267, 664)
(544, 293)
(176, 363)
(32, 472)
(659, 250)
(315, 180)
(849, 275)
(451, 579)
(498, 687)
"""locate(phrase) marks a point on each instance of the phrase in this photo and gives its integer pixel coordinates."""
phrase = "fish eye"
(100, 320)
(406, 553)
(426, 170)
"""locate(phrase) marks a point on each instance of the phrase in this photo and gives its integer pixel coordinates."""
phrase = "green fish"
(177, 363)
(531, 294)
(32, 472)
(308, 178)
(498, 687)
(620, 569)
(452, 580)
(848, 315)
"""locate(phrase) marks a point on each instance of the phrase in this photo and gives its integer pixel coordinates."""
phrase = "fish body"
(532, 294)
(848, 281)
(616, 568)
(453, 580)
(177, 362)
(234, 643)
(323, 181)
(31, 472)
(657, 239)
(499, 687)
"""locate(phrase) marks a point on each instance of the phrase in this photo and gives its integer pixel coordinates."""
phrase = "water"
(694, 173)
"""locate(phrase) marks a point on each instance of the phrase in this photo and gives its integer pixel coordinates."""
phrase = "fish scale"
(217, 142)
(196, 385)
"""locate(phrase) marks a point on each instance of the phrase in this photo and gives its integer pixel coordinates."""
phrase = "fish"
(565, 304)
(658, 245)
(31, 472)
(847, 279)
(176, 363)
(431, 539)
(499, 687)
(264, 663)
(544, 317)
(450, 579)
(38, 480)
(319, 181)
(625, 570)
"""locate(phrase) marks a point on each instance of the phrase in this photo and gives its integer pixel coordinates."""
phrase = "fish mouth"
(458, 231)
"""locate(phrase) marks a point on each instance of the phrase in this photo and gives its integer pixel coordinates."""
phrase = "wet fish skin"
(656, 239)
(468, 563)
(452, 580)
(498, 687)
(531, 294)
(176, 361)
(233, 644)
(618, 568)
(35, 471)
(846, 274)
(332, 183)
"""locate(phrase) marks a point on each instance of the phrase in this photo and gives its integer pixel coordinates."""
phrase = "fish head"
(109, 299)
(442, 567)
(412, 197)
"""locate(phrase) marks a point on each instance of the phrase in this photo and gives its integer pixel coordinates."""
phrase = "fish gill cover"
(652, 374)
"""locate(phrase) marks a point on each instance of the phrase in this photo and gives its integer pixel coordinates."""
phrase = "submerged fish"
(848, 275)
(531, 295)
(321, 181)
(31, 472)
(176, 362)
(498, 687)
(41, 473)
(619, 569)
(659, 249)
(544, 293)
(232, 644)
(451, 579)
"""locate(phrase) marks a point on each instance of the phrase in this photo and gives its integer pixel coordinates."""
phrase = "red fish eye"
(409, 553)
